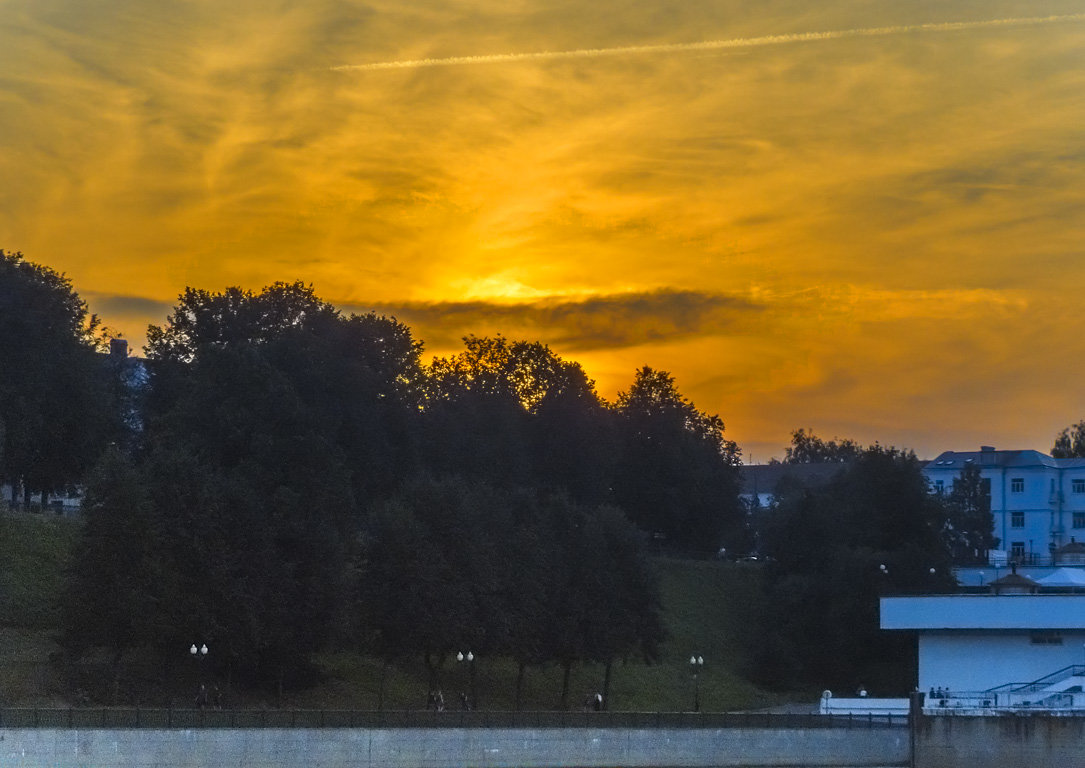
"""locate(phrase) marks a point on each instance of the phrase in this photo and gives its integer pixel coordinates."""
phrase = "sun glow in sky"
(877, 233)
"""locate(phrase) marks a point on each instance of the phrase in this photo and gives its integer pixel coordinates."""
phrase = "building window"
(940, 487)
(1045, 637)
(1017, 549)
(1078, 485)
(1017, 519)
(1079, 520)
(1017, 485)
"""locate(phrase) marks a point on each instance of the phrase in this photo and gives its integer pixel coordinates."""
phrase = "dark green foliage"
(828, 547)
(515, 414)
(433, 578)
(358, 380)
(452, 566)
(677, 475)
(204, 320)
(112, 593)
(808, 448)
(573, 444)
(271, 415)
(1070, 443)
(255, 533)
(56, 409)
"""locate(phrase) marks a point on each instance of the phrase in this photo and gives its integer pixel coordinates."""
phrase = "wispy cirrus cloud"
(707, 45)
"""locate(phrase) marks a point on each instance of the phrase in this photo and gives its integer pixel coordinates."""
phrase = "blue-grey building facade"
(1038, 502)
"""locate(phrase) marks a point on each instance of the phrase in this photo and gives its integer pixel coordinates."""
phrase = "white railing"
(861, 705)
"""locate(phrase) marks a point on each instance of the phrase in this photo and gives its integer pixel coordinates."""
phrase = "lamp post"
(199, 654)
(470, 659)
(695, 664)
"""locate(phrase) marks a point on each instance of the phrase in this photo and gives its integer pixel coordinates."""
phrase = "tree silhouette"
(828, 547)
(56, 406)
(1070, 443)
(677, 474)
(808, 448)
(969, 529)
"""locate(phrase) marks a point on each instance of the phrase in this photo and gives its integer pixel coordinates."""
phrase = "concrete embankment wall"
(1021, 741)
(453, 748)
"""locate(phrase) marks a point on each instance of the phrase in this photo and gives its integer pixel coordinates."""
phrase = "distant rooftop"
(990, 457)
(764, 478)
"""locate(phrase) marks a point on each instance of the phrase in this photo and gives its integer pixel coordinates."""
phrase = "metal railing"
(137, 717)
(1044, 683)
(969, 701)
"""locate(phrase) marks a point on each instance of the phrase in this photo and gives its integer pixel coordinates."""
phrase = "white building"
(1007, 651)
(1038, 503)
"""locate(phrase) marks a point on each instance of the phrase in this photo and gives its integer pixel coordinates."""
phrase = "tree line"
(297, 479)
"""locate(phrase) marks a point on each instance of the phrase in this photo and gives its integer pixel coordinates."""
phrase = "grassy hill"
(710, 611)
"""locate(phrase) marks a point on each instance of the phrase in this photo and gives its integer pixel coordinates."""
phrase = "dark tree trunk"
(380, 692)
(433, 668)
(521, 667)
(567, 670)
(115, 670)
(606, 684)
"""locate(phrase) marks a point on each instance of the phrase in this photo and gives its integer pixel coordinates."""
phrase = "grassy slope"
(710, 611)
(33, 551)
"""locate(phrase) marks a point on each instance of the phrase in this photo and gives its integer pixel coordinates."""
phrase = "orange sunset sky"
(877, 233)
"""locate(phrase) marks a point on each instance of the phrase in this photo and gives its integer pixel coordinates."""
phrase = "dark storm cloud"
(615, 320)
(113, 306)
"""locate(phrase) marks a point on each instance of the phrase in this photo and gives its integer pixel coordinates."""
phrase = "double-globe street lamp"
(199, 654)
(695, 664)
(470, 659)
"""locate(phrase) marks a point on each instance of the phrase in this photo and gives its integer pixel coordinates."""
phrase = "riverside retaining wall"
(454, 748)
(1011, 741)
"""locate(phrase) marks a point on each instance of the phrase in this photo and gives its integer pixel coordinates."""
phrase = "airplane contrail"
(708, 45)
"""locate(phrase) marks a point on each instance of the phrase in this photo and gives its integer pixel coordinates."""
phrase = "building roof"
(984, 612)
(1014, 580)
(1072, 547)
(955, 461)
(764, 478)
(1014, 584)
(1064, 577)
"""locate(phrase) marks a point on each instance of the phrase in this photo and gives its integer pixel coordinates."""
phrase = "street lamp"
(199, 654)
(695, 664)
(470, 659)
